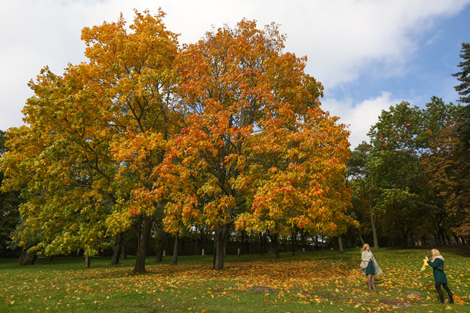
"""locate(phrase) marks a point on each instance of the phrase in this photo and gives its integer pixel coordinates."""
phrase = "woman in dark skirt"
(437, 265)
(369, 266)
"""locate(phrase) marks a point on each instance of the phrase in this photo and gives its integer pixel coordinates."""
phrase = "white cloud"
(359, 116)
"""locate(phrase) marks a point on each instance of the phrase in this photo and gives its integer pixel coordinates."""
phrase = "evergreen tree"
(464, 91)
(464, 75)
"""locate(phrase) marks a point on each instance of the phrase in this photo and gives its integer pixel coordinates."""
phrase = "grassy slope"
(323, 281)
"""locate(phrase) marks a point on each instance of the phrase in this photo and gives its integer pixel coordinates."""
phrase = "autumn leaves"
(224, 131)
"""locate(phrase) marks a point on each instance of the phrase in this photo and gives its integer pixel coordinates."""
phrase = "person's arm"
(365, 256)
(435, 263)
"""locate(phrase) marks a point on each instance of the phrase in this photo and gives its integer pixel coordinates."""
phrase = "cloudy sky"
(369, 54)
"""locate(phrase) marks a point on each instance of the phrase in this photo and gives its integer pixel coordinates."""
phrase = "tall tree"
(62, 166)
(464, 75)
(94, 135)
(133, 70)
(463, 90)
(400, 140)
(448, 170)
(363, 192)
(256, 143)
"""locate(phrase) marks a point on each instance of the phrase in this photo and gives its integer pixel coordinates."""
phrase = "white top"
(367, 255)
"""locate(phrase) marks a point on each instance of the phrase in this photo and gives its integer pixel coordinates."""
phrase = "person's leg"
(439, 292)
(451, 299)
(373, 281)
(369, 280)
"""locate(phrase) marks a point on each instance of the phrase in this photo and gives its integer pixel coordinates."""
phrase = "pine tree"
(464, 91)
(464, 75)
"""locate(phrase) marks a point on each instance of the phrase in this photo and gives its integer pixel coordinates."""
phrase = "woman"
(437, 264)
(369, 266)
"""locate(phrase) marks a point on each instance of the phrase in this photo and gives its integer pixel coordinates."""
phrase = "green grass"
(323, 281)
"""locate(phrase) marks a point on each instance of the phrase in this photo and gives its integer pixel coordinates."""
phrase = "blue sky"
(369, 54)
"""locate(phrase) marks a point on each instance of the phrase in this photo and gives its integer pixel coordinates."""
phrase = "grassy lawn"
(323, 281)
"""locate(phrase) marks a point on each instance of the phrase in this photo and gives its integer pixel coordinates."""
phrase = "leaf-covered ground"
(322, 281)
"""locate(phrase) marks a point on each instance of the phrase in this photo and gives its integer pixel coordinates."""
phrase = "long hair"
(434, 253)
(364, 247)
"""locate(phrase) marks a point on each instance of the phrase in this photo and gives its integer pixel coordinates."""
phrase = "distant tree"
(401, 190)
(448, 170)
(464, 75)
(362, 192)
(464, 91)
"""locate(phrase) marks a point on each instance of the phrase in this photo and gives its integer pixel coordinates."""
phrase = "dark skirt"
(370, 270)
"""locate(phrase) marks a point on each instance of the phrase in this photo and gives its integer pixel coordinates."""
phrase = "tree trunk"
(404, 234)
(261, 248)
(275, 245)
(159, 247)
(27, 258)
(144, 227)
(294, 242)
(87, 261)
(242, 243)
(424, 240)
(360, 237)
(175, 251)
(340, 244)
(374, 231)
(248, 243)
(219, 246)
(116, 249)
(123, 250)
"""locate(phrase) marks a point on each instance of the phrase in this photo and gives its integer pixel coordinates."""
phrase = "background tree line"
(411, 182)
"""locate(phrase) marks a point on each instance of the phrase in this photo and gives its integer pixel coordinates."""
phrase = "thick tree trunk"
(462, 238)
(116, 249)
(219, 246)
(87, 261)
(374, 231)
(175, 250)
(27, 258)
(143, 236)
(340, 244)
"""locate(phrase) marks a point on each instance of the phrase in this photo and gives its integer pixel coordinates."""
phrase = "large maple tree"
(256, 150)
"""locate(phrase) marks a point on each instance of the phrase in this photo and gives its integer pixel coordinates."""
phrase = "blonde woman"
(437, 264)
(369, 265)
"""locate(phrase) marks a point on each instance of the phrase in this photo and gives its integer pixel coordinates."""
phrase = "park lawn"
(320, 281)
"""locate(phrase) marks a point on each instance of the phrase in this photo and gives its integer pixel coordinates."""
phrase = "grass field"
(322, 281)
